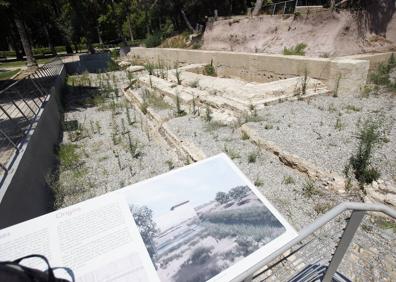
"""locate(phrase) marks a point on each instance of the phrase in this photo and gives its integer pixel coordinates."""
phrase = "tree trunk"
(130, 28)
(187, 21)
(50, 45)
(332, 5)
(25, 42)
(99, 36)
(257, 7)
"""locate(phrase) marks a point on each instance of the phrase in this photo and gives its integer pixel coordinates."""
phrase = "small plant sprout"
(208, 114)
(194, 109)
(252, 157)
(149, 68)
(179, 111)
(337, 85)
(304, 82)
(210, 69)
(124, 130)
(178, 75)
(244, 135)
(258, 182)
(339, 125)
(128, 116)
(288, 180)
(371, 135)
(133, 148)
(98, 128)
(170, 164)
(298, 50)
(231, 153)
(309, 189)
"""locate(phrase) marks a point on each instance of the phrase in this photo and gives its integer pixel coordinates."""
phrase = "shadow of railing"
(20, 104)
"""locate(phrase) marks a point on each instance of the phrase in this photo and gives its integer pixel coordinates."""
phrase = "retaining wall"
(25, 193)
(265, 67)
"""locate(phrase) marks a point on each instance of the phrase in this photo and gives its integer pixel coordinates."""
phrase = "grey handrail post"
(345, 241)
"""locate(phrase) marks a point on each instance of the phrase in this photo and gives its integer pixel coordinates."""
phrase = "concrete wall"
(92, 63)
(265, 67)
(374, 59)
(25, 191)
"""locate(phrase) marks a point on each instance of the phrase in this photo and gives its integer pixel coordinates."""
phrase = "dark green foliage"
(112, 66)
(68, 156)
(153, 40)
(210, 69)
(381, 75)
(371, 135)
(298, 50)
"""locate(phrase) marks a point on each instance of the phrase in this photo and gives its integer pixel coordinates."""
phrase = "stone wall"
(25, 193)
(345, 74)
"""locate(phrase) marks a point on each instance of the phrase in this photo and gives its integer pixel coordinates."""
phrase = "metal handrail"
(315, 226)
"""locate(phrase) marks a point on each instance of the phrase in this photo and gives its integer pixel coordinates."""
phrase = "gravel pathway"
(282, 185)
(323, 130)
(114, 150)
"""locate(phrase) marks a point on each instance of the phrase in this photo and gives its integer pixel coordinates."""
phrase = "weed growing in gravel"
(209, 69)
(68, 156)
(213, 126)
(194, 108)
(371, 135)
(244, 135)
(339, 125)
(133, 147)
(352, 108)
(98, 127)
(304, 82)
(298, 50)
(381, 75)
(337, 86)
(128, 116)
(149, 68)
(143, 107)
(268, 126)
(309, 189)
(252, 157)
(258, 182)
(332, 108)
(321, 208)
(231, 153)
(178, 76)
(288, 180)
(179, 111)
(170, 164)
(208, 114)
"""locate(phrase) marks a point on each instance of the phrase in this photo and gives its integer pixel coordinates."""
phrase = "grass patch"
(309, 189)
(68, 156)
(4, 75)
(252, 157)
(209, 69)
(298, 50)
(288, 180)
(233, 154)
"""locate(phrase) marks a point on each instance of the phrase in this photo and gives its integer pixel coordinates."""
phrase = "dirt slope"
(326, 34)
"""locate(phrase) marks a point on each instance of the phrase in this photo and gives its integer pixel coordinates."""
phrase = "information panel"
(202, 222)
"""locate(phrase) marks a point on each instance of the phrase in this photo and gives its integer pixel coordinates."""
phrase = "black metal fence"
(20, 103)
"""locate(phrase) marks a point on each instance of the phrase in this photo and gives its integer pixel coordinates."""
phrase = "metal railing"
(318, 252)
(20, 104)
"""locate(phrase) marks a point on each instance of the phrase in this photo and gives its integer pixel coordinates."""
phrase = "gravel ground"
(323, 130)
(280, 184)
(298, 208)
(106, 161)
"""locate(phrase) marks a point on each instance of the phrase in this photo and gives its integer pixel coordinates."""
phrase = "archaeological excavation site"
(309, 119)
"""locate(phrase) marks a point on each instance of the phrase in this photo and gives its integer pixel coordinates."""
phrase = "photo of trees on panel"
(198, 222)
